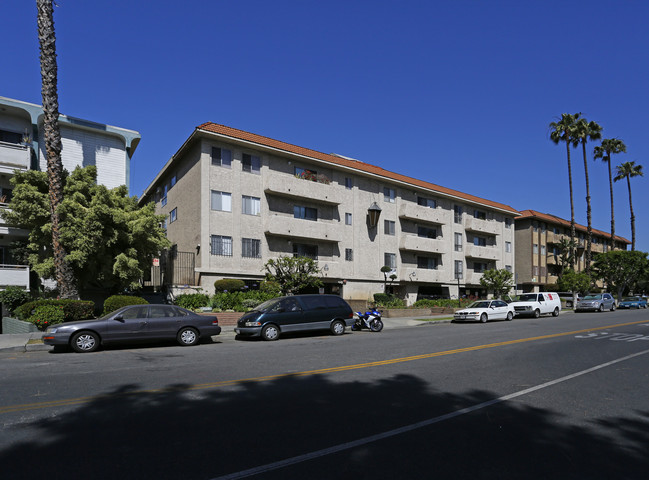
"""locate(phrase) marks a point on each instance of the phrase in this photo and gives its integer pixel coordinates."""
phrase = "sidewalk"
(31, 342)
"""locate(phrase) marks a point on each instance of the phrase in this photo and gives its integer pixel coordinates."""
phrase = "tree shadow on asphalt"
(201, 433)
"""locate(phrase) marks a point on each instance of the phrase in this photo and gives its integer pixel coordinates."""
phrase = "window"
(535, 227)
(305, 213)
(349, 254)
(508, 247)
(6, 194)
(535, 249)
(480, 241)
(543, 271)
(304, 250)
(221, 201)
(221, 157)
(164, 196)
(542, 249)
(250, 248)
(349, 183)
(348, 219)
(556, 230)
(11, 137)
(426, 232)
(459, 269)
(221, 245)
(388, 227)
(543, 227)
(595, 241)
(250, 205)
(458, 242)
(508, 222)
(390, 260)
(173, 215)
(479, 267)
(389, 194)
(479, 214)
(173, 180)
(535, 271)
(306, 174)
(429, 263)
(250, 163)
(426, 202)
(457, 214)
(508, 268)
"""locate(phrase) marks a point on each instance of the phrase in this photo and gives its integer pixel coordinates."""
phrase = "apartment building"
(22, 147)
(537, 251)
(234, 199)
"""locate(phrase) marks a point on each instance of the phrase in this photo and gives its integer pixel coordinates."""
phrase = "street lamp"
(373, 214)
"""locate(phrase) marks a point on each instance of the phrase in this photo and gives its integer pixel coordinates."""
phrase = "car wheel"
(376, 325)
(483, 318)
(510, 316)
(537, 313)
(613, 307)
(556, 312)
(84, 342)
(270, 332)
(337, 327)
(601, 307)
(187, 337)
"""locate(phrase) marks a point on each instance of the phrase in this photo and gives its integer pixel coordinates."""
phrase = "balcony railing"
(14, 156)
(427, 275)
(413, 211)
(293, 187)
(487, 253)
(14, 276)
(485, 226)
(421, 244)
(284, 226)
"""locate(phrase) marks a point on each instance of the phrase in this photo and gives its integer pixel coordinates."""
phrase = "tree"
(109, 239)
(621, 269)
(563, 131)
(574, 282)
(628, 170)
(293, 274)
(585, 130)
(385, 269)
(565, 258)
(498, 281)
(608, 147)
(47, 40)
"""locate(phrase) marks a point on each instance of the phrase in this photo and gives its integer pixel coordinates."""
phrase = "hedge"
(47, 315)
(118, 301)
(72, 309)
(192, 301)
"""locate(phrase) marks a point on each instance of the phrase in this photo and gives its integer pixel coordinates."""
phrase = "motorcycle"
(370, 320)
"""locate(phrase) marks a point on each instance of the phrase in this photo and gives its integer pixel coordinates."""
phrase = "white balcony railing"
(485, 226)
(285, 226)
(13, 156)
(421, 244)
(487, 253)
(290, 186)
(14, 275)
(413, 211)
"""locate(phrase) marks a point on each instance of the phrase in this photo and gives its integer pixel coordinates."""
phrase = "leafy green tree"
(584, 131)
(385, 269)
(628, 170)
(109, 239)
(498, 281)
(621, 269)
(293, 274)
(574, 282)
(565, 258)
(564, 131)
(608, 147)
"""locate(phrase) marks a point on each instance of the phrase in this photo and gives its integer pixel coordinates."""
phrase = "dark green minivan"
(296, 313)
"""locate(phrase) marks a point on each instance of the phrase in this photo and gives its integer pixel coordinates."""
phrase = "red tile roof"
(355, 164)
(566, 223)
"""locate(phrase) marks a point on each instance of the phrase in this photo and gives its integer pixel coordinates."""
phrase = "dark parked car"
(134, 323)
(294, 314)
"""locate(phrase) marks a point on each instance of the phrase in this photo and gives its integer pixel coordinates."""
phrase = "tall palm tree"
(608, 147)
(47, 41)
(628, 170)
(563, 131)
(585, 130)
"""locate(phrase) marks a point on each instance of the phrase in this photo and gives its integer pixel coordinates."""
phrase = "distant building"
(537, 251)
(22, 148)
(234, 199)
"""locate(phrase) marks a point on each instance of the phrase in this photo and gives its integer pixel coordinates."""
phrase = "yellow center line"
(344, 368)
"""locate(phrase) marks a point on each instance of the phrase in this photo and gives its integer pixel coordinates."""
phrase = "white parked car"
(537, 304)
(484, 310)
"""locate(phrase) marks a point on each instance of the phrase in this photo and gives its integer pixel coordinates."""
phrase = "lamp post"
(458, 276)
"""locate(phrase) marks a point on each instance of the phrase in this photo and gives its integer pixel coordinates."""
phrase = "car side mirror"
(119, 318)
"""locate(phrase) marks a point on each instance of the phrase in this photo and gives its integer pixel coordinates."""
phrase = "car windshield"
(530, 297)
(481, 304)
(630, 299)
(593, 297)
(266, 306)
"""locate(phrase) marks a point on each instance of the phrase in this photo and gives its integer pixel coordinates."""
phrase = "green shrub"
(271, 288)
(426, 303)
(442, 302)
(387, 300)
(72, 309)
(239, 301)
(13, 297)
(47, 315)
(192, 301)
(116, 302)
(229, 285)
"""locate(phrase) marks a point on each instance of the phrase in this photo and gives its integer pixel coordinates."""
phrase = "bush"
(46, 315)
(387, 300)
(72, 309)
(239, 301)
(442, 302)
(116, 302)
(229, 285)
(271, 288)
(13, 297)
(192, 301)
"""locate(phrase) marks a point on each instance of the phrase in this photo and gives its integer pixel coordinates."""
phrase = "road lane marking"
(415, 426)
(227, 383)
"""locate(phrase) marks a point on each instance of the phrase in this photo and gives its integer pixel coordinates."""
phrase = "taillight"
(215, 322)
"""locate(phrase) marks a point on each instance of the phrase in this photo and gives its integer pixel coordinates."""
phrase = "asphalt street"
(534, 398)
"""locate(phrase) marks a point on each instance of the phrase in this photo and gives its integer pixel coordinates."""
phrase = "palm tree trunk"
(628, 183)
(589, 235)
(572, 209)
(47, 40)
(610, 181)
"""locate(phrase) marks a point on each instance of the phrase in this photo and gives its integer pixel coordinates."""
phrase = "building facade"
(22, 148)
(236, 199)
(538, 259)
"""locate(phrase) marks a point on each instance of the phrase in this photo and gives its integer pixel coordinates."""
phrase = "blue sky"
(459, 93)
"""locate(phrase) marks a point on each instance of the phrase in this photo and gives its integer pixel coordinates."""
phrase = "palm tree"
(585, 130)
(628, 170)
(47, 41)
(562, 131)
(609, 146)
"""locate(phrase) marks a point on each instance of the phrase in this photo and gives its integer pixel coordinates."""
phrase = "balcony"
(554, 237)
(14, 276)
(420, 213)
(426, 275)
(421, 244)
(471, 278)
(486, 253)
(491, 227)
(284, 226)
(14, 156)
(292, 187)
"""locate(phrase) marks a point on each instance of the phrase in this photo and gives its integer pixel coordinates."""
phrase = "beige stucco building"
(537, 252)
(236, 199)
